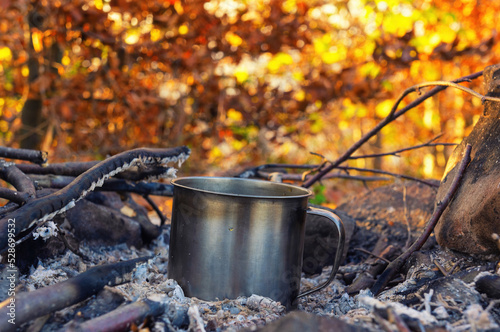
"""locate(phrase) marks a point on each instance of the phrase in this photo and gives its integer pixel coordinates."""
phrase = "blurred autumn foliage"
(241, 82)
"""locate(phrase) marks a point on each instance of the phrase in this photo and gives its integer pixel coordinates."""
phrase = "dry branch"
(391, 117)
(11, 174)
(45, 208)
(300, 177)
(34, 156)
(119, 185)
(31, 305)
(395, 153)
(120, 319)
(396, 265)
(74, 169)
(14, 196)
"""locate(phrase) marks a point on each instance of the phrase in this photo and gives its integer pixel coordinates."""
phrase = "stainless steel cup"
(235, 237)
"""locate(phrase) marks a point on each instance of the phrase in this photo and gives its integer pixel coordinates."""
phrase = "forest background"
(241, 83)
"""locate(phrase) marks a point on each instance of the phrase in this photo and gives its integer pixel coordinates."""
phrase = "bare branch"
(396, 265)
(299, 177)
(142, 188)
(391, 117)
(34, 156)
(440, 83)
(395, 153)
(14, 196)
(377, 171)
(10, 173)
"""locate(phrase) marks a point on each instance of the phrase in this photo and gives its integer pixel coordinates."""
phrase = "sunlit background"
(240, 82)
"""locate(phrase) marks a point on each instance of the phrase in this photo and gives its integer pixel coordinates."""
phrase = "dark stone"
(300, 321)
(489, 285)
(321, 240)
(99, 225)
(473, 215)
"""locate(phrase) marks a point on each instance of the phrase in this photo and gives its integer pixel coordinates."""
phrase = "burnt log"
(42, 209)
(471, 218)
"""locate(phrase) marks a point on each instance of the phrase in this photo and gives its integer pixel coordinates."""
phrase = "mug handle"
(340, 246)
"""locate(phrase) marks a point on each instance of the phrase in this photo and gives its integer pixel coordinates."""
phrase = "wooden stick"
(120, 319)
(11, 174)
(34, 156)
(30, 305)
(396, 265)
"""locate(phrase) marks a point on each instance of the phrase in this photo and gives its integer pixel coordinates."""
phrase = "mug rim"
(307, 192)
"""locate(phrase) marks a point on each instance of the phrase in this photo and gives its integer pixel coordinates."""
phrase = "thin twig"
(395, 153)
(440, 267)
(378, 171)
(259, 172)
(396, 265)
(405, 203)
(299, 177)
(441, 83)
(372, 254)
(391, 117)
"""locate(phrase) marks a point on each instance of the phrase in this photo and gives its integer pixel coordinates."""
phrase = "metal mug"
(235, 237)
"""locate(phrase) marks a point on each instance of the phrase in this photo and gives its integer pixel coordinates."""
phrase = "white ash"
(441, 313)
(479, 318)
(400, 309)
(196, 323)
(46, 231)
(150, 280)
(42, 277)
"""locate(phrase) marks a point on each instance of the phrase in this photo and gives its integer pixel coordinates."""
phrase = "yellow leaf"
(183, 29)
(98, 4)
(384, 108)
(132, 36)
(37, 39)
(428, 165)
(241, 75)
(430, 72)
(300, 95)
(65, 60)
(446, 34)
(155, 34)
(370, 69)
(178, 7)
(5, 54)
(234, 115)
(298, 76)
(233, 39)
(279, 60)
